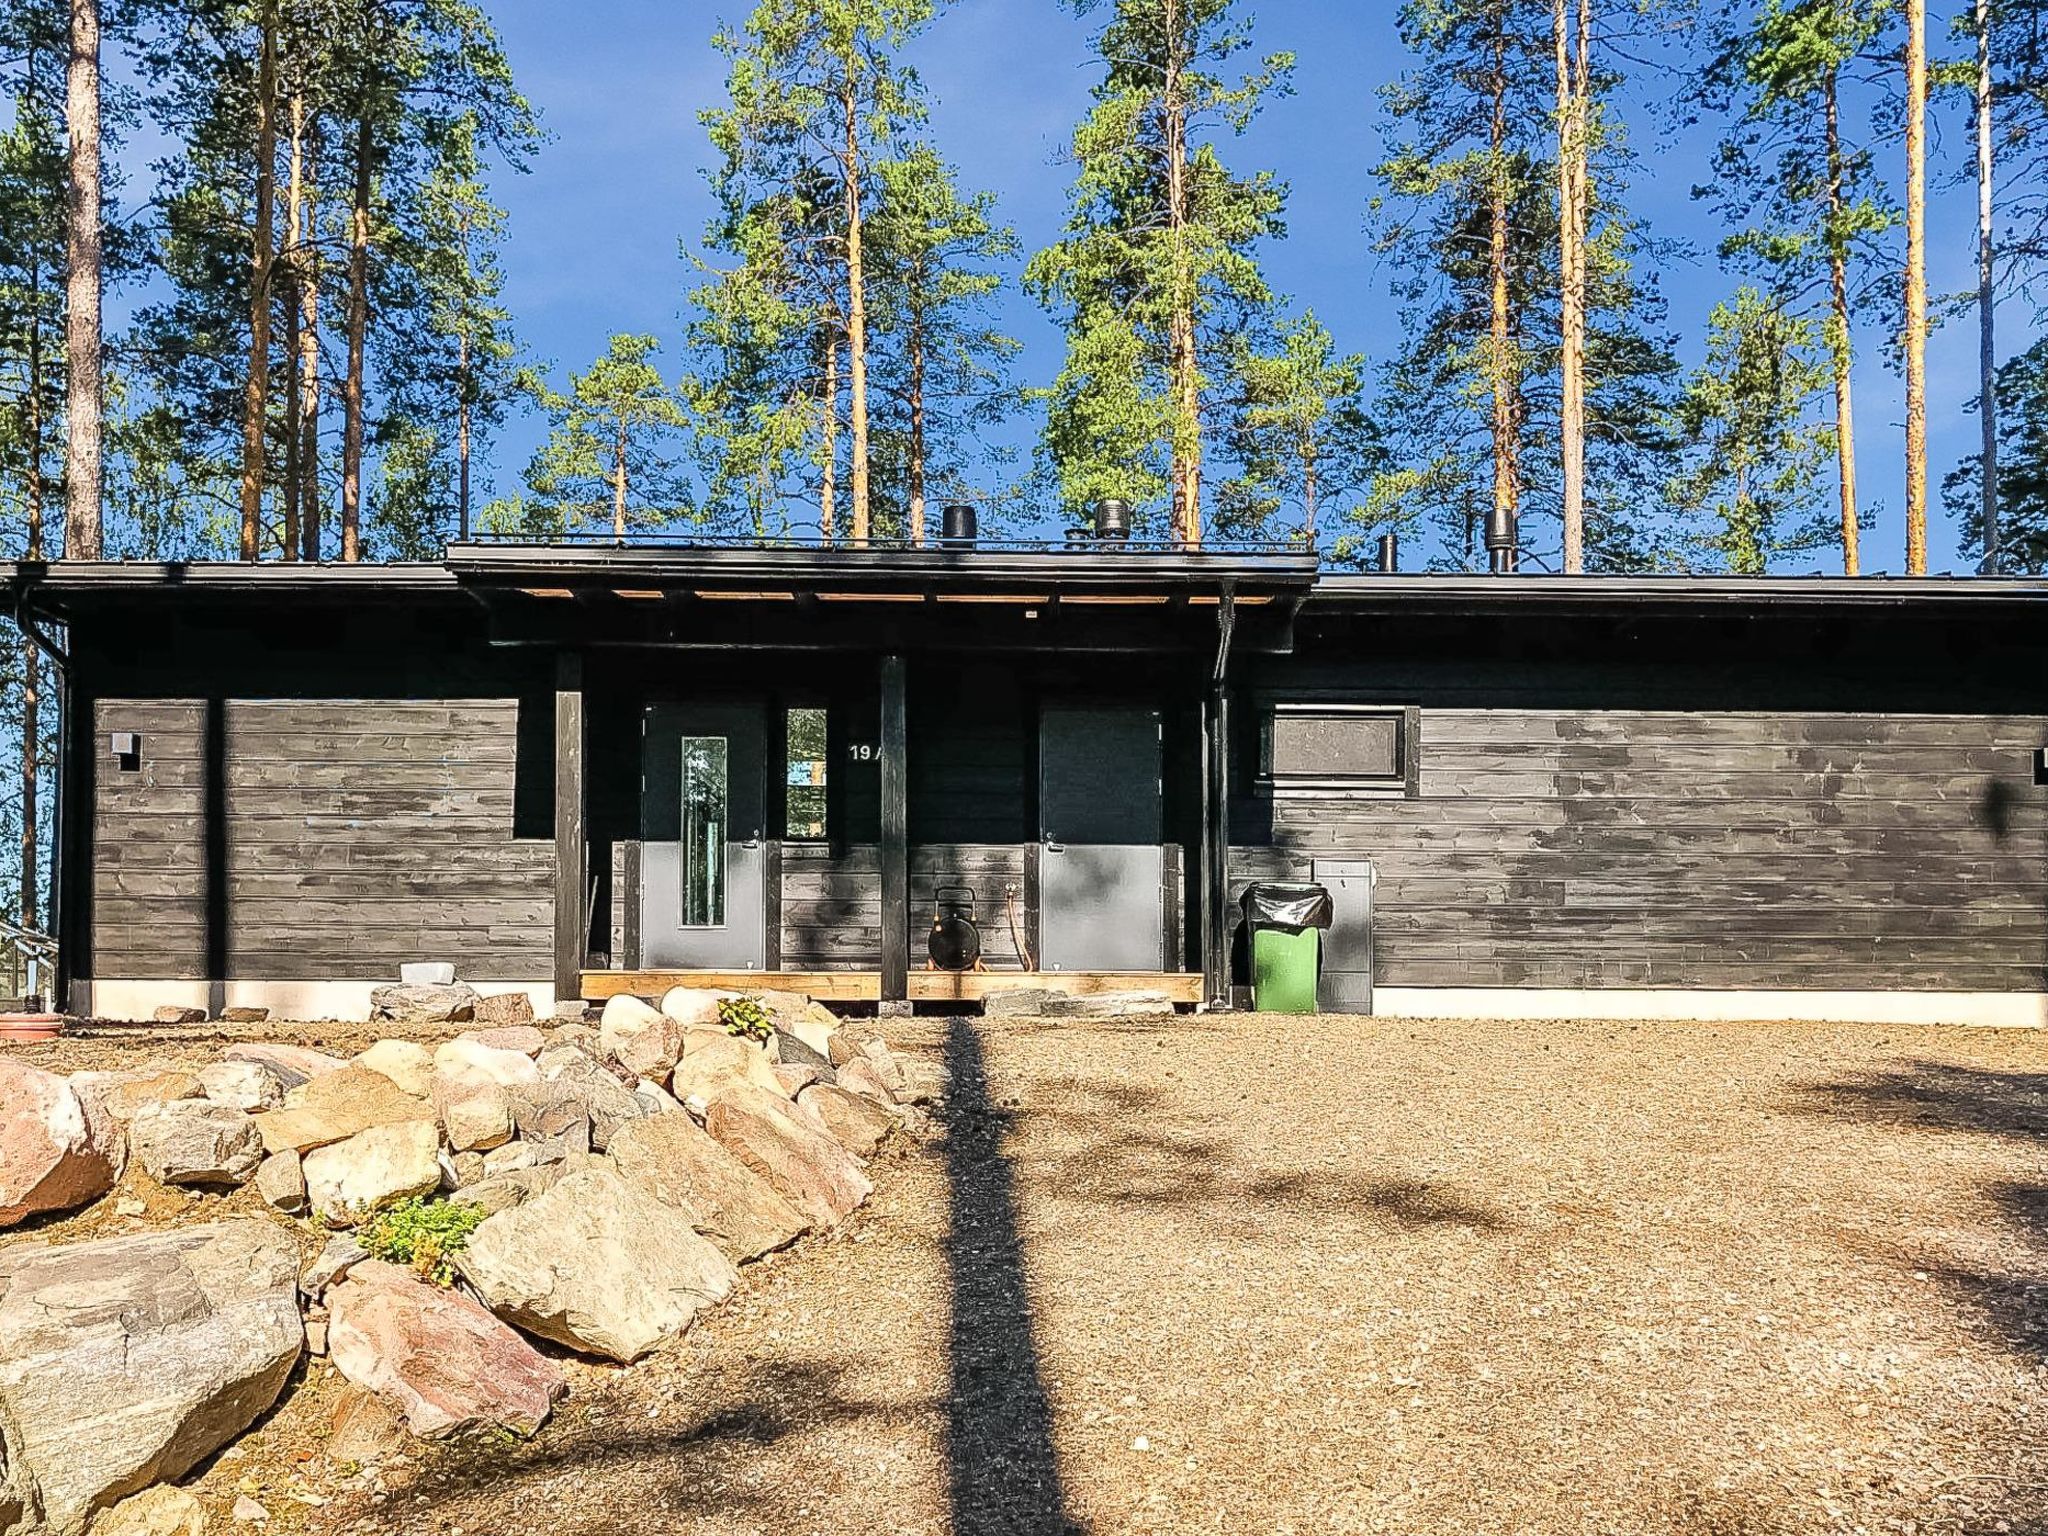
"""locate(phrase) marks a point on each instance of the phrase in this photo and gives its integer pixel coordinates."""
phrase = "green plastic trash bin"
(1285, 924)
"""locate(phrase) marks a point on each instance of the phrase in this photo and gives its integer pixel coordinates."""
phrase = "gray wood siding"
(1628, 848)
(832, 902)
(354, 836)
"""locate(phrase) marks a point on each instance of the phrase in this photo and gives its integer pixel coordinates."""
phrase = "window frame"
(1403, 784)
(779, 747)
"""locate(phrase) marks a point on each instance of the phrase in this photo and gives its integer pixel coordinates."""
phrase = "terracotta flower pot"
(24, 1028)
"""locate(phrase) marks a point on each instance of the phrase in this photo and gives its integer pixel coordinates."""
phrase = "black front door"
(703, 861)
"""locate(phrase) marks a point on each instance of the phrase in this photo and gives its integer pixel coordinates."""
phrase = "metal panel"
(1100, 907)
(740, 940)
(1346, 985)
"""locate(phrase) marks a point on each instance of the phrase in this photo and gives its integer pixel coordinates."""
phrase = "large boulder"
(436, 1356)
(597, 1264)
(123, 1095)
(643, 1039)
(406, 1062)
(335, 1107)
(676, 1160)
(602, 1099)
(692, 1007)
(811, 1170)
(424, 1003)
(710, 1070)
(858, 1124)
(196, 1141)
(860, 1076)
(295, 1064)
(245, 1085)
(463, 1064)
(56, 1150)
(127, 1362)
(381, 1166)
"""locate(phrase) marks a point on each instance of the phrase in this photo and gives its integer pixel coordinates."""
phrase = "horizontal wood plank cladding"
(354, 836)
(1656, 848)
(832, 901)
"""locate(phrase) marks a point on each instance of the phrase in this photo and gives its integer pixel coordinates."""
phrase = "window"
(705, 786)
(804, 754)
(1322, 747)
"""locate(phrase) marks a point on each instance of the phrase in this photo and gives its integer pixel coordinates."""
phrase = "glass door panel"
(706, 803)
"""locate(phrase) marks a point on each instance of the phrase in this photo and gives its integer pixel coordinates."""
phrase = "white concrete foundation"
(2007, 1009)
(302, 1000)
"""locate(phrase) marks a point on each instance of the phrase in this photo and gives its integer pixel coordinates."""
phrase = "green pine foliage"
(2022, 470)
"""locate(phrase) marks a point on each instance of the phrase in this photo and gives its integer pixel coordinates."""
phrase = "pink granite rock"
(815, 1173)
(57, 1150)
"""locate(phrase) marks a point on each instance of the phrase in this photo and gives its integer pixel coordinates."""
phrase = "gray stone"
(281, 1181)
(245, 1085)
(335, 1260)
(596, 1264)
(603, 1101)
(677, 1161)
(195, 1141)
(294, 1064)
(857, 1123)
(469, 1169)
(126, 1362)
(173, 1013)
(433, 1003)
(793, 1051)
(245, 1013)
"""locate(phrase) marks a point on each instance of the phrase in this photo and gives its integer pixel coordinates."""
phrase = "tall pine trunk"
(1840, 352)
(464, 390)
(1916, 287)
(914, 344)
(856, 315)
(1501, 363)
(828, 480)
(619, 485)
(1181, 356)
(358, 327)
(84, 387)
(1987, 324)
(295, 319)
(256, 386)
(31, 702)
(311, 502)
(1572, 176)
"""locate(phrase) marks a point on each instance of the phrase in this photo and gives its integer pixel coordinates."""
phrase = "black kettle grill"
(955, 940)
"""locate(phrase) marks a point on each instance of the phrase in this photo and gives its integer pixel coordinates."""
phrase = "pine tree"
(1809, 211)
(1158, 264)
(614, 448)
(2021, 486)
(1915, 342)
(945, 362)
(85, 384)
(1473, 402)
(1755, 455)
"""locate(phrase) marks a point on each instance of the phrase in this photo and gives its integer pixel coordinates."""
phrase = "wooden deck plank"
(829, 986)
(973, 986)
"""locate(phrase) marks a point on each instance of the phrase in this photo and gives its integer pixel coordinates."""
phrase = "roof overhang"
(1674, 595)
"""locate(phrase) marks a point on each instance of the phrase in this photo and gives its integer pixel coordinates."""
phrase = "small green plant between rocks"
(745, 1018)
(422, 1234)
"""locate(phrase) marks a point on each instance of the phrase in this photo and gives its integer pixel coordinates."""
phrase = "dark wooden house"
(577, 770)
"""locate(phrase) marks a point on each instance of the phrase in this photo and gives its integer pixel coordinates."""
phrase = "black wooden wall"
(1766, 804)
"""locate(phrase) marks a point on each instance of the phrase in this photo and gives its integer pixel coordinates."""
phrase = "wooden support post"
(895, 834)
(1215, 861)
(572, 847)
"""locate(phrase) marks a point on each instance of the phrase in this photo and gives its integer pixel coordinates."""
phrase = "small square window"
(1323, 747)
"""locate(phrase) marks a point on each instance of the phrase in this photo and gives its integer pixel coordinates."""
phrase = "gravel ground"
(1346, 1275)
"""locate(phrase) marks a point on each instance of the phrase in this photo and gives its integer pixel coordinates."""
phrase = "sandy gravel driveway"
(1365, 1275)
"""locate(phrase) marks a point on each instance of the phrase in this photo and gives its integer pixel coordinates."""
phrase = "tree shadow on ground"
(1943, 1098)
(1003, 1471)
(701, 1467)
(1123, 1150)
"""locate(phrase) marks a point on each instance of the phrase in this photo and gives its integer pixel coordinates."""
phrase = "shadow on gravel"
(1938, 1096)
(705, 1467)
(1004, 1474)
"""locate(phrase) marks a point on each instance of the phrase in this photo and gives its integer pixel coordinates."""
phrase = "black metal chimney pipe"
(1502, 539)
(959, 524)
(1112, 520)
(1390, 554)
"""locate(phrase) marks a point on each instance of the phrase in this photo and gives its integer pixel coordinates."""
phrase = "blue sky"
(596, 225)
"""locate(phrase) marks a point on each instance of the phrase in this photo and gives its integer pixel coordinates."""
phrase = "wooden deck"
(925, 986)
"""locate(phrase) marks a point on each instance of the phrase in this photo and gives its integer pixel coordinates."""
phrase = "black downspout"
(1216, 812)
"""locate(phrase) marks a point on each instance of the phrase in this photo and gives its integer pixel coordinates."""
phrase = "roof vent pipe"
(958, 524)
(1389, 561)
(1112, 520)
(1501, 539)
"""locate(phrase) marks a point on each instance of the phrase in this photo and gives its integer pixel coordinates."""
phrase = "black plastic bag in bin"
(1292, 907)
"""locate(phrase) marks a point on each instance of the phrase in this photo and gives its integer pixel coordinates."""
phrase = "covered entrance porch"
(779, 767)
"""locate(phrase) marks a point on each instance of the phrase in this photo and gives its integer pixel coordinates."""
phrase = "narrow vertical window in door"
(705, 794)
(804, 801)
